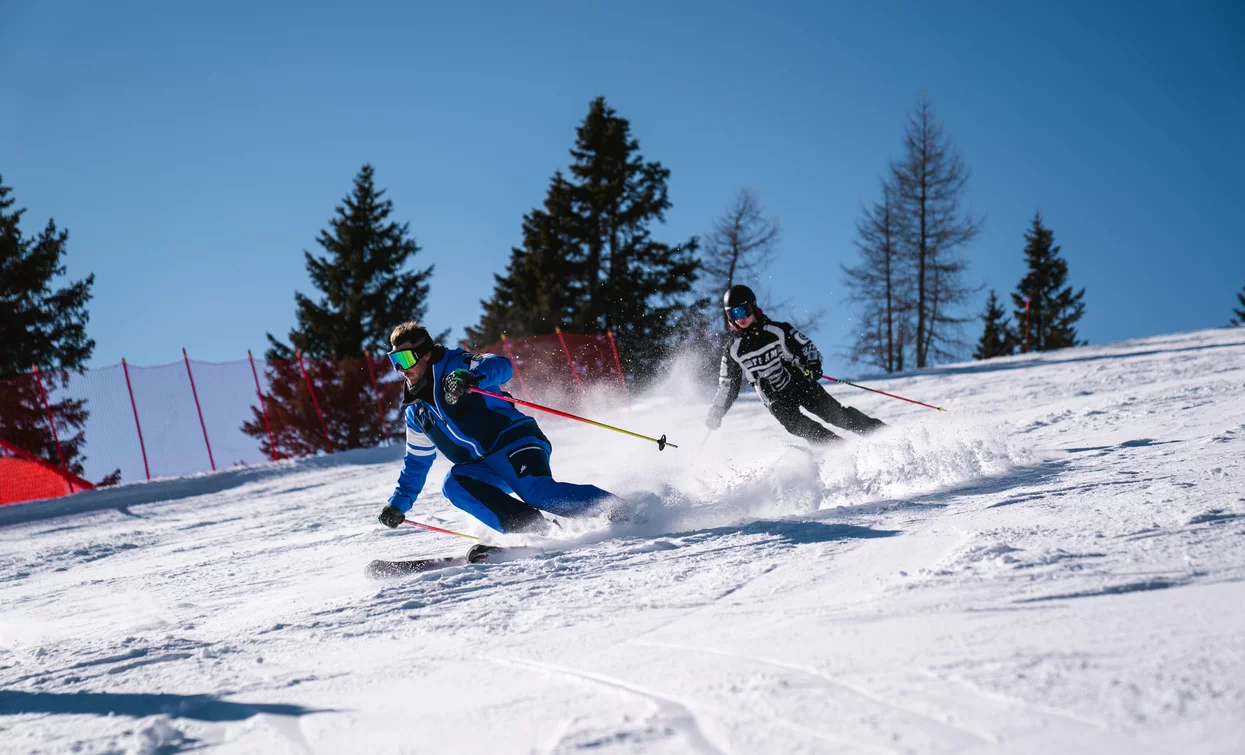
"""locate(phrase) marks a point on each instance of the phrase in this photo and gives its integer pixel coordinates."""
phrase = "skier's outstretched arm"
(420, 453)
(730, 376)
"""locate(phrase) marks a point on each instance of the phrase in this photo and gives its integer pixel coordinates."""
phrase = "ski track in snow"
(1055, 564)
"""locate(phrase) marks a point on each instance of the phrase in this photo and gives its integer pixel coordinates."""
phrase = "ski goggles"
(739, 313)
(404, 359)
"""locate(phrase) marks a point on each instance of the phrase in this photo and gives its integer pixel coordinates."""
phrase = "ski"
(380, 569)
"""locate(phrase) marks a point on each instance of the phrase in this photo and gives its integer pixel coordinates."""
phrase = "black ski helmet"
(739, 296)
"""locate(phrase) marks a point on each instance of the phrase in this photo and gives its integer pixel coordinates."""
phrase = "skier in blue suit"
(496, 449)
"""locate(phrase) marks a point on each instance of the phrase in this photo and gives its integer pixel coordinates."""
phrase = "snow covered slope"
(1055, 564)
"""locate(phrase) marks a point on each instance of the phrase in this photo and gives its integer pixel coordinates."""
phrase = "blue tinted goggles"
(739, 313)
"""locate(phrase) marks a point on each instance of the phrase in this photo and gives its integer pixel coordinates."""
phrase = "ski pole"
(661, 442)
(414, 523)
(884, 393)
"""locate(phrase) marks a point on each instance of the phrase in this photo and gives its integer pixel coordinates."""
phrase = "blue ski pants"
(482, 488)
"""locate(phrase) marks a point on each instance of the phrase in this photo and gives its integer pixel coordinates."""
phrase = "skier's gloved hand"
(456, 384)
(813, 371)
(713, 421)
(391, 516)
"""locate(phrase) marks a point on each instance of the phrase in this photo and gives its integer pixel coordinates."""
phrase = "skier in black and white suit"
(783, 366)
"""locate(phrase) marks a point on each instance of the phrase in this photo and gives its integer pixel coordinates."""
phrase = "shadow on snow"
(139, 705)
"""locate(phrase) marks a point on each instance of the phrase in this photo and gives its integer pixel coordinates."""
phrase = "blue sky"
(194, 150)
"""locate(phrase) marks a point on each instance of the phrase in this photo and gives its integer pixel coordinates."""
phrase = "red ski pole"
(414, 523)
(661, 442)
(884, 393)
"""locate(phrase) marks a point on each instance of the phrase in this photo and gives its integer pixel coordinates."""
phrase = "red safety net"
(126, 423)
(547, 371)
(24, 477)
(22, 480)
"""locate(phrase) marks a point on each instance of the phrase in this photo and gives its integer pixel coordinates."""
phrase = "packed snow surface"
(1052, 565)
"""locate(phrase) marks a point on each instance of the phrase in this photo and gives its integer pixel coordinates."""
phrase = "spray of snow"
(721, 479)
(918, 459)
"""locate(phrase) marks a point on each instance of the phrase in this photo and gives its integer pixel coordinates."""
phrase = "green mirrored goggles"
(404, 359)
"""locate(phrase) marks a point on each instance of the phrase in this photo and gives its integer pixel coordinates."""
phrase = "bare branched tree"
(742, 244)
(930, 181)
(881, 283)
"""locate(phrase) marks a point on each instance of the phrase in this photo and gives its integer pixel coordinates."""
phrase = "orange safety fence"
(62, 432)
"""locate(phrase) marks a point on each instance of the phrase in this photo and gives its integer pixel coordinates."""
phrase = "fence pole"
(569, 361)
(272, 444)
(609, 332)
(505, 342)
(141, 446)
(48, 409)
(314, 402)
(380, 408)
(199, 409)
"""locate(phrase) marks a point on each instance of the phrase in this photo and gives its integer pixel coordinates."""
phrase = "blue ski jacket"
(466, 431)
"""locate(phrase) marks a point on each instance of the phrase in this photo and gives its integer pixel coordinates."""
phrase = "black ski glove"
(391, 516)
(456, 384)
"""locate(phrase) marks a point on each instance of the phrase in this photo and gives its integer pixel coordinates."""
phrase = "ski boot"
(479, 553)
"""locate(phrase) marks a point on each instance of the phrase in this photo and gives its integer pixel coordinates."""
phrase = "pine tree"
(44, 327)
(881, 284)
(366, 289)
(1054, 308)
(588, 257)
(996, 339)
(537, 293)
(634, 285)
(1240, 313)
(930, 181)
(38, 326)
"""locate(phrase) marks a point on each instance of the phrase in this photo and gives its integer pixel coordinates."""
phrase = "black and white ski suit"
(783, 366)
